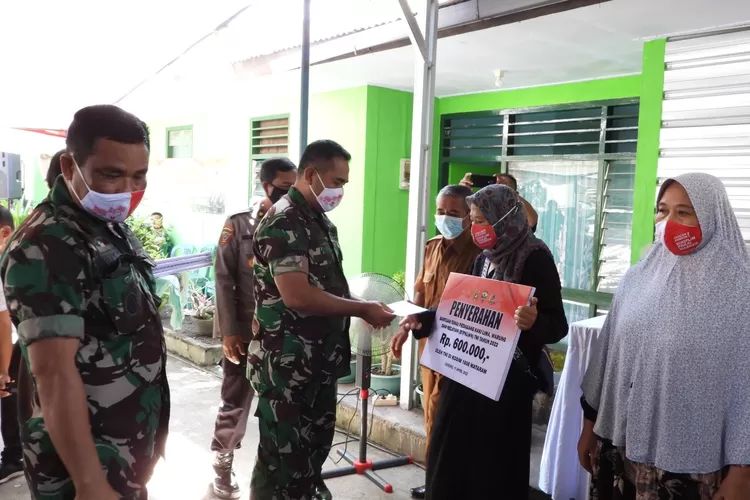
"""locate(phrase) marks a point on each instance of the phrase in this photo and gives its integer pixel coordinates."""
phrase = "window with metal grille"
(180, 142)
(269, 138)
(570, 131)
(575, 164)
(706, 114)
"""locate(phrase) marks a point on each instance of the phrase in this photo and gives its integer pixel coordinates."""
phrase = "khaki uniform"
(235, 306)
(235, 303)
(440, 260)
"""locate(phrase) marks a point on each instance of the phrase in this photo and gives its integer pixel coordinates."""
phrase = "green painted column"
(647, 158)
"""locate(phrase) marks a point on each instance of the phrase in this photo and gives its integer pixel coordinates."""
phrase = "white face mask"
(109, 207)
(329, 198)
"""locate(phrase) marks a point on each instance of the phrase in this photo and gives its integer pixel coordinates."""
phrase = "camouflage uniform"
(294, 359)
(70, 275)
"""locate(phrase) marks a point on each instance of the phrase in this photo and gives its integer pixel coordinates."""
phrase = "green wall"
(374, 125)
(647, 159)
(224, 136)
(592, 90)
(342, 117)
(388, 140)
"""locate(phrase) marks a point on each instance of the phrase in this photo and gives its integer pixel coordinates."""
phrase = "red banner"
(45, 131)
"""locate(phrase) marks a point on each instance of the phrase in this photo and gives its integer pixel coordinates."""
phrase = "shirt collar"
(462, 243)
(60, 195)
(299, 199)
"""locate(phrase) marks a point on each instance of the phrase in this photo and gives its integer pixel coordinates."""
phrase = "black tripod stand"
(363, 465)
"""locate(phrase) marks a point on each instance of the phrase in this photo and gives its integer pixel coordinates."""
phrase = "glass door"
(564, 194)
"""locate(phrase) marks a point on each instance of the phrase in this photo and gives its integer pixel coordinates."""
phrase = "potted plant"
(349, 379)
(202, 310)
(386, 376)
(420, 395)
(400, 278)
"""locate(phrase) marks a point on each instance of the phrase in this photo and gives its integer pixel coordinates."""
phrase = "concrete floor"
(187, 473)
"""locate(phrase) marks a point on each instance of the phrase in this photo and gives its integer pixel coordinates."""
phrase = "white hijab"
(670, 370)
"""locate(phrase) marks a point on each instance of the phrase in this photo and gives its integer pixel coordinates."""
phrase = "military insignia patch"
(227, 233)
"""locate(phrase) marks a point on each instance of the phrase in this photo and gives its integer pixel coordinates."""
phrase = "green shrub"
(153, 241)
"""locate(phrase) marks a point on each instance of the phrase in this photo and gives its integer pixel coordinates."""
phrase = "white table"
(560, 474)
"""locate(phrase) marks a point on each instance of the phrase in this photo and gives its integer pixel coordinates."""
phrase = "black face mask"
(276, 194)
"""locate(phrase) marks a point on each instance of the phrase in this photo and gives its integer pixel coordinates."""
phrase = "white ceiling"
(582, 44)
(81, 52)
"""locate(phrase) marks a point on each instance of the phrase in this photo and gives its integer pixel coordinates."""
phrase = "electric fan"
(367, 342)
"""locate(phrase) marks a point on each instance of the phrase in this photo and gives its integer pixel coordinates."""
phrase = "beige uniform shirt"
(235, 303)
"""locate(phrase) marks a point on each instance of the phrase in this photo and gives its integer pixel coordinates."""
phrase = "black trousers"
(9, 427)
(236, 398)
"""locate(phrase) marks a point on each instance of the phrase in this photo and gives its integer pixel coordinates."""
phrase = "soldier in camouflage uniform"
(81, 291)
(235, 306)
(300, 345)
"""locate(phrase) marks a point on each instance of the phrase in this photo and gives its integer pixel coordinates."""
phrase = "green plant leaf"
(168, 289)
(400, 278)
(155, 242)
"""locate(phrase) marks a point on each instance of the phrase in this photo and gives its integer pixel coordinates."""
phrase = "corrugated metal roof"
(271, 26)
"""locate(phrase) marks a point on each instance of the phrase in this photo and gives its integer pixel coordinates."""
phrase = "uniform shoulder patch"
(227, 234)
(241, 212)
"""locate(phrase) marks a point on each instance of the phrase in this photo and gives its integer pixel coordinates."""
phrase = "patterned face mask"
(329, 198)
(114, 207)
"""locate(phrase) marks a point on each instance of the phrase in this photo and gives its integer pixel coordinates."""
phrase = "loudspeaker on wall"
(11, 187)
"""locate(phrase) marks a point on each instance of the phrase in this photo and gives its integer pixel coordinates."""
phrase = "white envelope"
(405, 308)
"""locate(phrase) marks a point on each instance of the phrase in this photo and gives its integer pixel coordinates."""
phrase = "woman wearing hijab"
(666, 396)
(480, 447)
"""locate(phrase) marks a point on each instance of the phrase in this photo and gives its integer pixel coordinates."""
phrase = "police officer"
(300, 345)
(235, 307)
(81, 292)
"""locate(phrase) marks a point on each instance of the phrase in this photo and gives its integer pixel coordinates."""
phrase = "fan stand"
(363, 465)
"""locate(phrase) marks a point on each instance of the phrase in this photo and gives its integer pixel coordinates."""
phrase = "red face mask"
(484, 236)
(679, 238)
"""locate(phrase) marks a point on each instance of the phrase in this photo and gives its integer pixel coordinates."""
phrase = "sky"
(60, 55)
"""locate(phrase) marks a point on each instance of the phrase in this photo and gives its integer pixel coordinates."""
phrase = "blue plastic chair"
(208, 275)
(184, 249)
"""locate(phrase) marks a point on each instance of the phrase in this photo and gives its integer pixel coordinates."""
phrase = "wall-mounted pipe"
(305, 84)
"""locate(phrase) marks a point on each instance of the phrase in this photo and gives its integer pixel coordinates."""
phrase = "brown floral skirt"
(617, 478)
